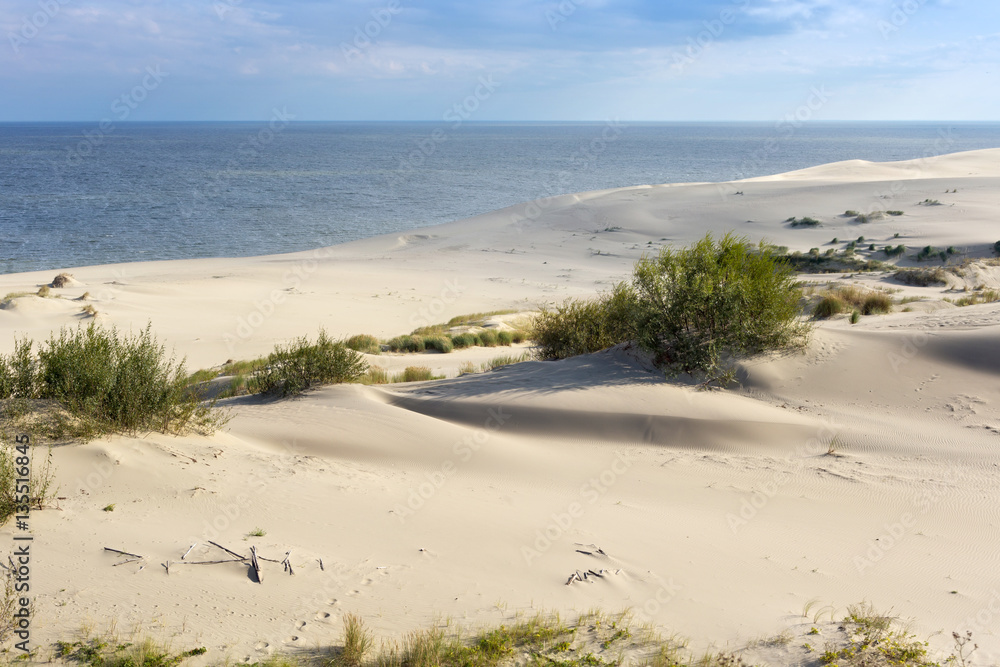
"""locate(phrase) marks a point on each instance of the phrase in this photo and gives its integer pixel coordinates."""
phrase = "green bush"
(891, 251)
(465, 340)
(415, 374)
(581, 327)
(442, 344)
(518, 336)
(109, 382)
(855, 317)
(505, 338)
(488, 338)
(294, 368)
(407, 344)
(876, 303)
(715, 297)
(364, 343)
(804, 222)
(922, 277)
(828, 307)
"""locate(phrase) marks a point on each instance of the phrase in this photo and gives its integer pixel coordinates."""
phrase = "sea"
(76, 194)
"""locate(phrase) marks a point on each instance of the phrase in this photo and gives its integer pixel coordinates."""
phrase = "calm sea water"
(80, 194)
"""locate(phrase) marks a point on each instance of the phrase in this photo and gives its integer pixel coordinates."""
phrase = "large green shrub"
(713, 298)
(581, 327)
(294, 368)
(108, 381)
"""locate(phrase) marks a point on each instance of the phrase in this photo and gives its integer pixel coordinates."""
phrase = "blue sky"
(633, 60)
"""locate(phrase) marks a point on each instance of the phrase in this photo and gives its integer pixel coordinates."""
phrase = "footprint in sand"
(261, 646)
(322, 615)
(300, 625)
(289, 640)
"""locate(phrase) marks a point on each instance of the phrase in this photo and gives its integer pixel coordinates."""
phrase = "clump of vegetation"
(581, 327)
(865, 218)
(465, 340)
(803, 222)
(894, 251)
(375, 375)
(406, 343)
(848, 298)
(976, 298)
(930, 252)
(895, 213)
(872, 641)
(996, 247)
(112, 652)
(922, 277)
(488, 338)
(61, 280)
(415, 374)
(442, 344)
(930, 202)
(301, 365)
(364, 343)
(43, 291)
(851, 213)
(855, 317)
(689, 307)
(106, 381)
(504, 360)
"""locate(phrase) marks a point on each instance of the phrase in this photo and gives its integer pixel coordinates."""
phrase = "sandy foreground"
(720, 515)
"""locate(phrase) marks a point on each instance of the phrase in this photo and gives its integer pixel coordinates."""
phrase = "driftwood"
(189, 550)
(212, 562)
(123, 553)
(228, 551)
(321, 565)
(288, 563)
(255, 565)
(126, 562)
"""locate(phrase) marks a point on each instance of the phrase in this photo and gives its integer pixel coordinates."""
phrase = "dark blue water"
(80, 194)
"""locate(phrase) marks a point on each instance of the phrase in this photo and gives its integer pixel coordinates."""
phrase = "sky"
(586, 60)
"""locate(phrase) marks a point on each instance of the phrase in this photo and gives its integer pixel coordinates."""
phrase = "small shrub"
(828, 307)
(61, 280)
(109, 508)
(415, 374)
(894, 213)
(850, 213)
(996, 247)
(872, 247)
(922, 277)
(301, 365)
(488, 338)
(931, 202)
(891, 251)
(257, 532)
(43, 291)
(407, 343)
(582, 327)
(465, 340)
(861, 239)
(375, 375)
(876, 303)
(442, 344)
(518, 336)
(364, 343)
(804, 222)
(505, 338)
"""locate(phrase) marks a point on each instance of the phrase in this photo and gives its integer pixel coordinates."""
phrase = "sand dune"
(864, 467)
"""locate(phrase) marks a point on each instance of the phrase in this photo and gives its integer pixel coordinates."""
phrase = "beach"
(862, 468)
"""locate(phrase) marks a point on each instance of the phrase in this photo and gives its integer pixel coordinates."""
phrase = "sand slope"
(719, 514)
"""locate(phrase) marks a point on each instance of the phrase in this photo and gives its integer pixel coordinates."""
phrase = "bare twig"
(123, 553)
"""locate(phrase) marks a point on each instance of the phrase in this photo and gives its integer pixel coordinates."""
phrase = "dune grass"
(852, 298)
(922, 277)
(864, 638)
(364, 343)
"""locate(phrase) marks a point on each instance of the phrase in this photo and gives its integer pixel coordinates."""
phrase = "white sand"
(721, 510)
